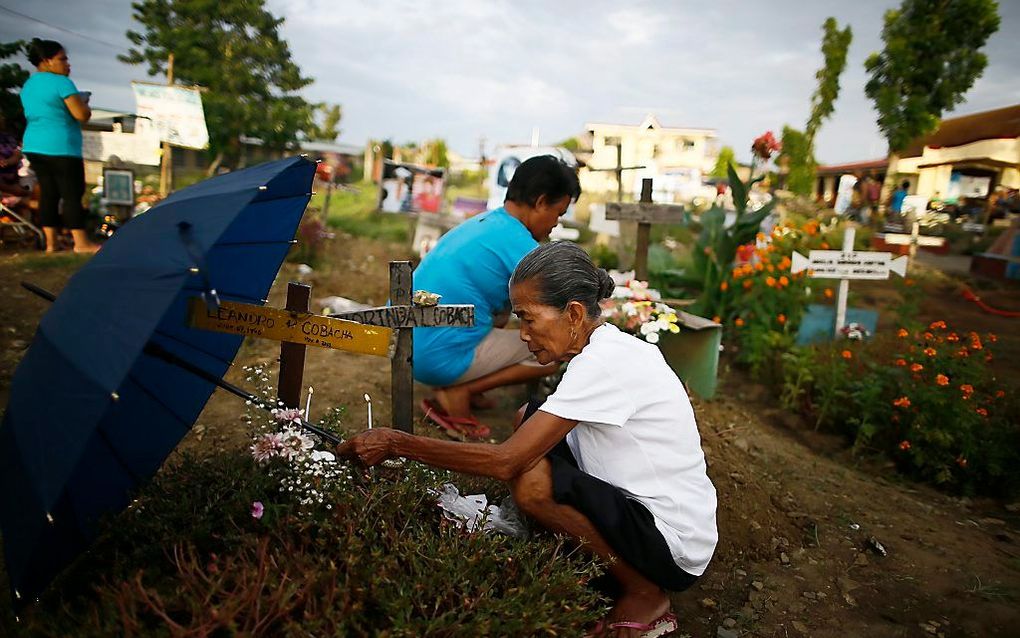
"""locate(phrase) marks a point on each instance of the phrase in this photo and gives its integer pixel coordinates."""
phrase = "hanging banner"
(175, 112)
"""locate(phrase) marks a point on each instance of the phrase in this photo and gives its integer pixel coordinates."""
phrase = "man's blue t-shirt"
(52, 130)
(471, 264)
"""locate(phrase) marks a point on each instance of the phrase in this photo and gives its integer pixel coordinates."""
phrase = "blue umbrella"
(114, 377)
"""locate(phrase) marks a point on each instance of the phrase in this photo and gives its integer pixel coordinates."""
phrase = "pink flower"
(267, 446)
(765, 145)
(257, 509)
(289, 415)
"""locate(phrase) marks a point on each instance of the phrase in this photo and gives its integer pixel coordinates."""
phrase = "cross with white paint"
(845, 265)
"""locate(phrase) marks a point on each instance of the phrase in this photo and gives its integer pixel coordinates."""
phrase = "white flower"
(267, 446)
(322, 455)
(652, 337)
(289, 415)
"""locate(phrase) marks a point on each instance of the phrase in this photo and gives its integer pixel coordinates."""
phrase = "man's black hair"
(905, 185)
(543, 175)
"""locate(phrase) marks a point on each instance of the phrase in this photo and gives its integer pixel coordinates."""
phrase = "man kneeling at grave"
(471, 265)
(612, 458)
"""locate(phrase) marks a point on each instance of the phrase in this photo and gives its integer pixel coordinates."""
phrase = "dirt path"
(796, 511)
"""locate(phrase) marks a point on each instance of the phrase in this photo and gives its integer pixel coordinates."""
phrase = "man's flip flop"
(458, 426)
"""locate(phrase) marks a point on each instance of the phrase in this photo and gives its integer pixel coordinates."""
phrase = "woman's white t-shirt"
(636, 431)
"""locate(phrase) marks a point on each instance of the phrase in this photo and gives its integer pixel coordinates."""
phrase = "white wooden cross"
(914, 239)
(845, 265)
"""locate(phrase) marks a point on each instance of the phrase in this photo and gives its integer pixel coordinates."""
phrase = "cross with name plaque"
(845, 265)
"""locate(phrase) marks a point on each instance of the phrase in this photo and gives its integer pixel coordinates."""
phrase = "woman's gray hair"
(563, 272)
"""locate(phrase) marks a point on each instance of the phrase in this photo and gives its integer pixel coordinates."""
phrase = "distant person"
(896, 202)
(873, 195)
(472, 264)
(10, 161)
(55, 111)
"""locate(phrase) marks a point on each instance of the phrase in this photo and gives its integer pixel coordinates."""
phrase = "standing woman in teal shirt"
(55, 112)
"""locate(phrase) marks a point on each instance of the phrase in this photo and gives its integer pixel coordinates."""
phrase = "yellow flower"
(674, 328)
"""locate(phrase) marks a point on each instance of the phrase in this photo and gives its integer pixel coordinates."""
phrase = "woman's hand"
(370, 447)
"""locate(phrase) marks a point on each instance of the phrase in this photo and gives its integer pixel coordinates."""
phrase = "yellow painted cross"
(294, 327)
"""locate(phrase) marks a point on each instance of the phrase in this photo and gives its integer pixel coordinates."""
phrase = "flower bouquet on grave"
(635, 308)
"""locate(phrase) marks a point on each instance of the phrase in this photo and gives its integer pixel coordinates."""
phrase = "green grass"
(355, 212)
(42, 261)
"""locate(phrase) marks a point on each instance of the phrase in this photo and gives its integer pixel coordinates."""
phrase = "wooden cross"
(846, 265)
(914, 239)
(402, 316)
(384, 331)
(645, 213)
(619, 168)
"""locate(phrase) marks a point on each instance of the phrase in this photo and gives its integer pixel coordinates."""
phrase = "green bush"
(354, 210)
(362, 554)
(925, 398)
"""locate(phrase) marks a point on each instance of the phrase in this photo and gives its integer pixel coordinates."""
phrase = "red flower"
(917, 367)
(904, 445)
(983, 412)
(938, 324)
(930, 352)
(902, 402)
(847, 354)
(902, 333)
(901, 362)
(765, 145)
(999, 394)
(781, 319)
(942, 379)
(962, 461)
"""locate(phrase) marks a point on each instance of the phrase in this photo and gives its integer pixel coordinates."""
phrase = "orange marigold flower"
(902, 333)
(961, 461)
(941, 379)
(759, 266)
(901, 362)
(902, 402)
(738, 322)
(908, 282)
(917, 367)
(967, 388)
(992, 338)
(962, 352)
(929, 336)
(930, 352)
(953, 337)
(982, 412)
(825, 245)
(935, 325)
(748, 283)
(988, 357)
(828, 293)
(783, 281)
(999, 394)
(716, 319)
(847, 354)
(770, 282)
(904, 445)
(724, 286)
(975, 345)
(781, 319)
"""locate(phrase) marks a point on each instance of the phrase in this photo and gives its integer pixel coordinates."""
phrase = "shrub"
(925, 398)
(365, 554)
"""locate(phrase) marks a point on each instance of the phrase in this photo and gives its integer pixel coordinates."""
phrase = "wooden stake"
(166, 169)
(292, 355)
(844, 284)
(401, 371)
(643, 235)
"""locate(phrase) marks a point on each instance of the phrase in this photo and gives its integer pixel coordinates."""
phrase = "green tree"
(726, 159)
(572, 144)
(234, 50)
(835, 43)
(932, 57)
(12, 76)
(329, 129)
(436, 153)
(798, 161)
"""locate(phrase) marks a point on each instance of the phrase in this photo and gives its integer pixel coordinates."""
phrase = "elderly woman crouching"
(612, 458)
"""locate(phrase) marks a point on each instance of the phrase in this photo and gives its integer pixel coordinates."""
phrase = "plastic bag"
(474, 511)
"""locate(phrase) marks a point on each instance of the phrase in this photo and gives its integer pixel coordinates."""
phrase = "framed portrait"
(119, 186)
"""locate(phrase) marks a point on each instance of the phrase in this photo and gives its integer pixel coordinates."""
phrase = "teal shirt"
(52, 130)
(471, 264)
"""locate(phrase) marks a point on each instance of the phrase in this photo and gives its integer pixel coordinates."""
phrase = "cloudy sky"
(467, 69)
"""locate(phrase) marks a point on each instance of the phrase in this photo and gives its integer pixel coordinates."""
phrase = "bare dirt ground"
(796, 509)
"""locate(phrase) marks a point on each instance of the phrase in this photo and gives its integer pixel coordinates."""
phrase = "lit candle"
(368, 400)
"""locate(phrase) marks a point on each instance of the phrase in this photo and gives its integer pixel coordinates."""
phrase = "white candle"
(308, 405)
(368, 400)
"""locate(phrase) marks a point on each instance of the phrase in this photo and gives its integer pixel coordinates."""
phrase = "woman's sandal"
(459, 427)
(664, 624)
